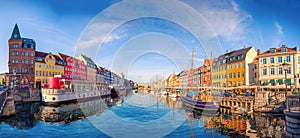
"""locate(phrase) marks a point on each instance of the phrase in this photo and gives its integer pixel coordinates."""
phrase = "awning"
(280, 81)
(289, 81)
(272, 81)
(265, 83)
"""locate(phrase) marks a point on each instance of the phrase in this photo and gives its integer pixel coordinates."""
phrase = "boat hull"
(197, 104)
(52, 98)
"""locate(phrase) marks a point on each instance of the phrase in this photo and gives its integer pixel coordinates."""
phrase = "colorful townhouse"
(74, 69)
(237, 66)
(47, 65)
(219, 77)
(21, 59)
(271, 69)
(205, 74)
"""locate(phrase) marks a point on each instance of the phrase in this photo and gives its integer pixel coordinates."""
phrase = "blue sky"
(69, 27)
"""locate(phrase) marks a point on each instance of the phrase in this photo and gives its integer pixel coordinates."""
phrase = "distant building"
(74, 69)
(4, 79)
(91, 68)
(21, 60)
(47, 65)
(205, 74)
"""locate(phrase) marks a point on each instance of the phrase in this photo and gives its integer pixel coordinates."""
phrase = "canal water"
(134, 115)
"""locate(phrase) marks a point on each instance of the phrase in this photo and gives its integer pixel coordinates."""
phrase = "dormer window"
(272, 50)
(239, 57)
(39, 59)
(231, 59)
(283, 49)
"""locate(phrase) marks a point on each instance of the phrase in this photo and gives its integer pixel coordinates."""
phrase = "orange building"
(205, 74)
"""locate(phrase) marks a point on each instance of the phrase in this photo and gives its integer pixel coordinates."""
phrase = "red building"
(21, 60)
(74, 68)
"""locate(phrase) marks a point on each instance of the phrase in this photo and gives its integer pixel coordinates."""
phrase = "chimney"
(258, 52)
(227, 51)
(245, 47)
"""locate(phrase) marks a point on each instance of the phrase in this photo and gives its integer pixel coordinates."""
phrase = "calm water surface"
(35, 120)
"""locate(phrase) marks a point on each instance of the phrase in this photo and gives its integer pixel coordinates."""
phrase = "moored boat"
(196, 101)
(63, 91)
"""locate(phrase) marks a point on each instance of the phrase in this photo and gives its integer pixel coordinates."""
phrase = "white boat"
(173, 95)
(61, 91)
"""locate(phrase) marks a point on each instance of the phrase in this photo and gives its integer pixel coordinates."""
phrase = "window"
(13, 53)
(273, 50)
(26, 61)
(23, 60)
(272, 71)
(243, 74)
(289, 70)
(283, 50)
(15, 46)
(279, 59)
(36, 73)
(231, 59)
(264, 72)
(279, 70)
(32, 61)
(240, 57)
(15, 70)
(238, 75)
(17, 53)
(272, 60)
(234, 75)
(298, 58)
(288, 58)
(46, 73)
(26, 53)
(230, 75)
(13, 61)
(17, 61)
(32, 54)
(39, 59)
(264, 61)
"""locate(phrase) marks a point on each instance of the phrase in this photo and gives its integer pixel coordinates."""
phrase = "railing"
(55, 91)
(294, 103)
(3, 96)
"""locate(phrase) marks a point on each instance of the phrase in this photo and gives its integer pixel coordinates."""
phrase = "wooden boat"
(192, 100)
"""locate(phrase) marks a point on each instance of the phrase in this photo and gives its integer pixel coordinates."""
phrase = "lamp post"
(285, 67)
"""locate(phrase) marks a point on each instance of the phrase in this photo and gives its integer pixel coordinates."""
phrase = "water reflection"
(74, 112)
(198, 124)
(27, 116)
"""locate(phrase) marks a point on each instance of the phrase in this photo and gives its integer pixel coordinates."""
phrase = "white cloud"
(278, 27)
(225, 17)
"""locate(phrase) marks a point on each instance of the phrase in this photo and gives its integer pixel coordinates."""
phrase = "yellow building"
(47, 65)
(237, 66)
(219, 71)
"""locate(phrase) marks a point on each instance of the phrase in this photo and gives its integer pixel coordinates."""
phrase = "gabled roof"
(40, 54)
(238, 52)
(15, 35)
(88, 59)
(278, 50)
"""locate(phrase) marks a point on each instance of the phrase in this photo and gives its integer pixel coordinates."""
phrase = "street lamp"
(285, 67)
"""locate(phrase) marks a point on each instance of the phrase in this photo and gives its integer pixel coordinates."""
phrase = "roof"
(40, 54)
(63, 56)
(88, 59)
(43, 55)
(15, 35)
(278, 50)
(236, 53)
